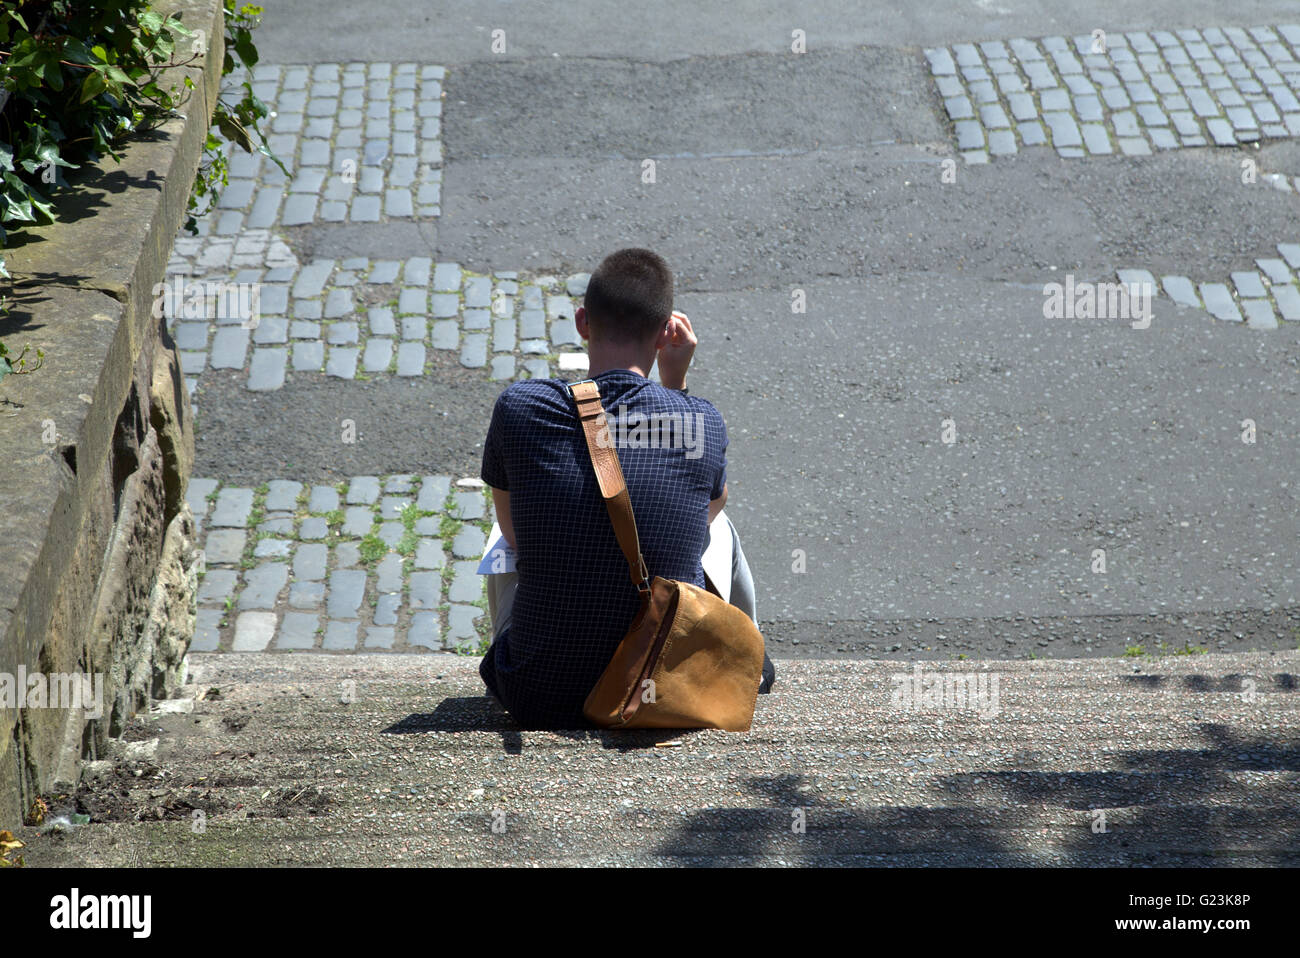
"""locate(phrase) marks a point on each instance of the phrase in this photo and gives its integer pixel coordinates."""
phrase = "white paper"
(498, 557)
(717, 556)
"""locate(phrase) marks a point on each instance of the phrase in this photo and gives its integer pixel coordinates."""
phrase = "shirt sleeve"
(494, 460)
(720, 443)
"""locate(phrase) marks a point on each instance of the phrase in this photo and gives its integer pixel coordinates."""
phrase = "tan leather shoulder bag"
(689, 659)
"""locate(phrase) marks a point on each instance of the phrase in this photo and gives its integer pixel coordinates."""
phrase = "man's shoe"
(769, 676)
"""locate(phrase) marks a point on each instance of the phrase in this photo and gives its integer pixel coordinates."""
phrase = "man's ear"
(580, 321)
(665, 335)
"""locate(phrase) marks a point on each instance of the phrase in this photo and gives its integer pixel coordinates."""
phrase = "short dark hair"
(630, 296)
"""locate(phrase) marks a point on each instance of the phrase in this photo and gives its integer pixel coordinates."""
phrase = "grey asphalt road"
(457, 32)
(820, 172)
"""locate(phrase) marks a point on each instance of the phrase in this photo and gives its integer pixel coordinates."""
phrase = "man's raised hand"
(675, 356)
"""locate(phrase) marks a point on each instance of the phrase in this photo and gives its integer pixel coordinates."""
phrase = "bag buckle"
(578, 382)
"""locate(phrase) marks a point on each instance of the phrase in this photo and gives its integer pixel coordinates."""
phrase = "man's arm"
(674, 359)
(715, 505)
(501, 499)
(675, 355)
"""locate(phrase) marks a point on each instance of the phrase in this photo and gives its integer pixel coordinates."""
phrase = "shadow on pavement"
(1232, 682)
(482, 714)
(1188, 805)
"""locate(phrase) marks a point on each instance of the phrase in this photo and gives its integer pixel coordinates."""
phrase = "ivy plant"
(80, 78)
(19, 364)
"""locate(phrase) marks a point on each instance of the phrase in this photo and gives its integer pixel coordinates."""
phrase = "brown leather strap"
(609, 476)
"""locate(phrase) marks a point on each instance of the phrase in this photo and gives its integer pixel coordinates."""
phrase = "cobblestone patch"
(1121, 93)
(1261, 298)
(362, 142)
(358, 318)
(375, 561)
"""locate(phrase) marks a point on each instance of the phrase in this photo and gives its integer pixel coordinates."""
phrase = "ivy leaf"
(266, 152)
(20, 211)
(19, 205)
(52, 70)
(150, 21)
(245, 48)
(75, 50)
(30, 52)
(48, 153)
(6, 156)
(42, 206)
(117, 75)
(92, 86)
(233, 130)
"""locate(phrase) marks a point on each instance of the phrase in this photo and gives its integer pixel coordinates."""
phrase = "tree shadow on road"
(1158, 807)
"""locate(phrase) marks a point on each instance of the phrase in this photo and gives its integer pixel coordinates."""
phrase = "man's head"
(629, 297)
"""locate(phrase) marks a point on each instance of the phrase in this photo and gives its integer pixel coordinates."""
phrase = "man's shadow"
(481, 713)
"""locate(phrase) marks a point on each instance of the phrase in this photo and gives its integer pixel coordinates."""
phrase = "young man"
(559, 616)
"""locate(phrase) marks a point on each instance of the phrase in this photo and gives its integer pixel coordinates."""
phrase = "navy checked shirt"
(575, 599)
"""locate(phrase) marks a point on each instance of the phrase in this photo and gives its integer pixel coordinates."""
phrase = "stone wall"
(98, 564)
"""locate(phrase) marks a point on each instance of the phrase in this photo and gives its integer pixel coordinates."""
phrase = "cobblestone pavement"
(1120, 92)
(361, 317)
(379, 562)
(362, 142)
(1259, 298)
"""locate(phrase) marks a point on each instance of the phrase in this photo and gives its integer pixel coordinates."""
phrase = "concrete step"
(1189, 760)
